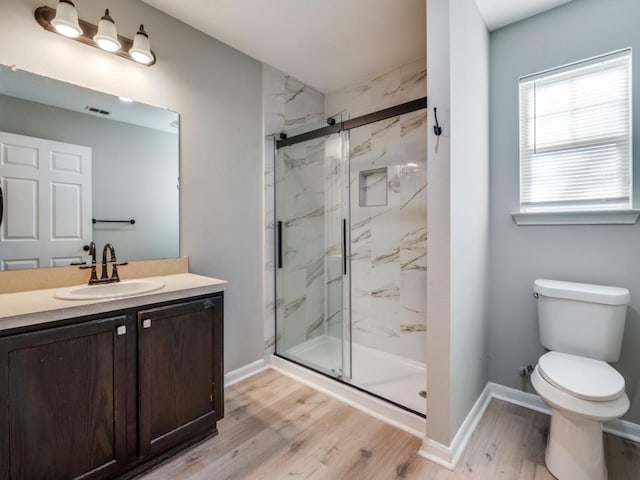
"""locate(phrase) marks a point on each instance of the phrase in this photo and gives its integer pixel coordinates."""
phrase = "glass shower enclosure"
(312, 280)
(351, 241)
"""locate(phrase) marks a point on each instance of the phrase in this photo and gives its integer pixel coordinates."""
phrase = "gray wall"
(217, 91)
(469, 207)
(438, 227)
(608, 255)
(457, 216)
(134, 174)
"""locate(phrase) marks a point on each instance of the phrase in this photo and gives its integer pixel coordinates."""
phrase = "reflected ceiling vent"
(175, 124)
(96, 110)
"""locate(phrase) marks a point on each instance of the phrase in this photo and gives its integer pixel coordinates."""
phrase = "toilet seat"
(584, 378)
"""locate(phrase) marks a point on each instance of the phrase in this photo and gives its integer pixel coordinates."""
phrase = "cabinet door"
(180, 373)
(63, 393)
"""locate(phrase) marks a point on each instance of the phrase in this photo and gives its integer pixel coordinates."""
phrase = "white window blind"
(575, 137)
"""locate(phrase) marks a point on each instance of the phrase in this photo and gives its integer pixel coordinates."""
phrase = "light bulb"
(66, 20)
(107, 36)
(141, 49)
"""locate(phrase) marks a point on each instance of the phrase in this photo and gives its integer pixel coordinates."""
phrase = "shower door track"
(384, 114)
(352, 385)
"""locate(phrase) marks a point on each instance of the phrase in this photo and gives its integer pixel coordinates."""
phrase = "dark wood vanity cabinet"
(107, 397)
(179, 377)
(63, 401)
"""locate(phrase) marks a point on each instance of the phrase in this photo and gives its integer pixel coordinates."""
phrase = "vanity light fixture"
(107, 36)
(64, 21)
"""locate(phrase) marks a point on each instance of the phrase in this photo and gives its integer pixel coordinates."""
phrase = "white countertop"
(40, 306)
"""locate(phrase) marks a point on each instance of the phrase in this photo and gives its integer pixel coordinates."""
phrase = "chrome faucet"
(104, 277)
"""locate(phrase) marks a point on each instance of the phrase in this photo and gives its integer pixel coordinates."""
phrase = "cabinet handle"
(146, 323)
(121, 330)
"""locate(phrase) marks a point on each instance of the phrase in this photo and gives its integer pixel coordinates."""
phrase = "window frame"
(576, 215)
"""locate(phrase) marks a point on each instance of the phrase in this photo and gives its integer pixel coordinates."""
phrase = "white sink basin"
(126, 288)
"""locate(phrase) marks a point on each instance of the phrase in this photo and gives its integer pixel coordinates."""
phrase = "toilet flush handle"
(535, 295)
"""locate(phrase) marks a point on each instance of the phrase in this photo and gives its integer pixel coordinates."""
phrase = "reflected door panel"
(47, 202)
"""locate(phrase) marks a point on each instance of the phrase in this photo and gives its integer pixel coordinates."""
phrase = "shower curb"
(388, 413)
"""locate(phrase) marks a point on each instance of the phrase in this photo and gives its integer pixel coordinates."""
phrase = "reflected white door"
(46, 187)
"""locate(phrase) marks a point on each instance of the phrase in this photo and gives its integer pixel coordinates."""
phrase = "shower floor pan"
(391, 377)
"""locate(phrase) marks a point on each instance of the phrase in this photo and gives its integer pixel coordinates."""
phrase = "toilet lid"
(582, 377)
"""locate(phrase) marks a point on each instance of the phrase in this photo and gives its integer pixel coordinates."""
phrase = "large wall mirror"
(77, 166)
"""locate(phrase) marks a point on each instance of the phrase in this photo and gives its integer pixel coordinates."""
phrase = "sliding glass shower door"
(312, 312)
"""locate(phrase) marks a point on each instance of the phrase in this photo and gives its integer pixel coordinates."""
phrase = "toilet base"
(575, 448)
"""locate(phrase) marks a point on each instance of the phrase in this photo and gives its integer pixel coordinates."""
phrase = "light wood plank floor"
(275, 428)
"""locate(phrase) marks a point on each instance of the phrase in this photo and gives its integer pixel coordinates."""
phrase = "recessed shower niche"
(373, 187)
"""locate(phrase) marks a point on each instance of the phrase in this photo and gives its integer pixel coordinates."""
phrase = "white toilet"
(582, 325)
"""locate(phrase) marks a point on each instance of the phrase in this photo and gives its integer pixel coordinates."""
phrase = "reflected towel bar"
(131, 221)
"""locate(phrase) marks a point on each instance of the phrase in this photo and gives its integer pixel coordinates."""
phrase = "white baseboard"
(242, 373)
(619, 428)
(518, 397)
(437, 452)
(623, 429)
(448, 456)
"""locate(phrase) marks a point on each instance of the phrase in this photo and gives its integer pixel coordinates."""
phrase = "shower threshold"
(390, 377)
(371, 404)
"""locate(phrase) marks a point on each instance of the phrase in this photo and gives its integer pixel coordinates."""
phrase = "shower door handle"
(344, 246)
(279, 234)
(1, 205)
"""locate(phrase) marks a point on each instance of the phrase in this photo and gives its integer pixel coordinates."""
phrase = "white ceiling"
(331, 44)
(327, 44)
(499, 13)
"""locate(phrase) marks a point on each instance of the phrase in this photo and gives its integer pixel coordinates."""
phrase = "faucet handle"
(94, 276)
(114, 272)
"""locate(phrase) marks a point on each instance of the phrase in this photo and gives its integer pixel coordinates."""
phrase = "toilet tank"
(581, 319)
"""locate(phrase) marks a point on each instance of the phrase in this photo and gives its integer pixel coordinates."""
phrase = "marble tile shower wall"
(388, 241)
(389, 236)
(388, 213)
(396, 86)
(287, 104)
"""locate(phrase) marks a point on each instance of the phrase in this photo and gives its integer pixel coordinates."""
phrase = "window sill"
(595, 217)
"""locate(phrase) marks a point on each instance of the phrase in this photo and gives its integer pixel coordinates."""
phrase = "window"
(575, 137)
